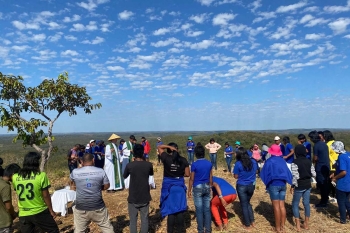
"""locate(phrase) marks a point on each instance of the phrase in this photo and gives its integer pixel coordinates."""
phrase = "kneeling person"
(90, 207)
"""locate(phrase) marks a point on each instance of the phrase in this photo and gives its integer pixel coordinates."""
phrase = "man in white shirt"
(127, 152)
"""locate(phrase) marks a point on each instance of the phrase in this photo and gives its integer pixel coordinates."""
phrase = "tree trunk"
(43, 156)
(49, 139)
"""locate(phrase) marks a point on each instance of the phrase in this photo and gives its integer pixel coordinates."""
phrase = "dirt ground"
(326, 220)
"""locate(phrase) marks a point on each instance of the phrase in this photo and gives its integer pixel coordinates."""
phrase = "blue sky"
(187, 64)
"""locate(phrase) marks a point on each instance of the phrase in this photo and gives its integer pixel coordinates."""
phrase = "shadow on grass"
(156, 220)
(119, 223)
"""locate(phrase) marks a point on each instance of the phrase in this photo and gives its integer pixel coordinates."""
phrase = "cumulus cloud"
(74, 18)
(255, 5)
(161, 31)
(163, 43)
(204, 44)
(199, 18)
(70, 38)
(97, 40)
(115, 68)
(69, 53)
(314, 36)
(91, 5)
(293, 7)
(25, 26)
(205, 2)
(125, 15)
(339, 26)
(337, 9)
(92, 26)
(223, 19)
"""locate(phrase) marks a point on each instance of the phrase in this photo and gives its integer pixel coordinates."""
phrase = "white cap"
(92, 141)
(277, 138)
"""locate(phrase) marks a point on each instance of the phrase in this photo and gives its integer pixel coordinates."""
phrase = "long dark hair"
(31, 165)
(176, 156)
(242, 155)
(328, 136)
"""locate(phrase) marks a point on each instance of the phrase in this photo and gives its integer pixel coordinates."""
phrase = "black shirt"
(139, 190)
(171, 169)
(304, 170)
(322, 153)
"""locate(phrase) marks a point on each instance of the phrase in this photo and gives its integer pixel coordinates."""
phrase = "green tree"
(47, 101)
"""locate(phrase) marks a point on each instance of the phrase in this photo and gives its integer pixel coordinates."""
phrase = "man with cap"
(190, 149)
(277, 140)
(90, 147)
(342, 180)
(112, 166)
(158, 143)
(147, 148)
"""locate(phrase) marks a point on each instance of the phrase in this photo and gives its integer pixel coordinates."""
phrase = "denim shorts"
(277, 192)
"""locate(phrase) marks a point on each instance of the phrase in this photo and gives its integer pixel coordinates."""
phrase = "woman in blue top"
(342, 179)
(245, 172)
(275, 174)
(288, 154)
(228, 155)
(201, 180)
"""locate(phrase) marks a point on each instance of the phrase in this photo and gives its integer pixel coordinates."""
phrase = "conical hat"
(113, 136)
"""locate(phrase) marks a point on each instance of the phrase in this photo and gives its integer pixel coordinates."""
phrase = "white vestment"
(110, 169)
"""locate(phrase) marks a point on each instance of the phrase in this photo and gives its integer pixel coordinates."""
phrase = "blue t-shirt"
(201, 169)
(250, 153)
(245, 177)
(343, 164)
(226, 187)
(159, 143)
(276, 183)
(322, 153)
(287, 149)
(282, 148)
(190, 146)
(228, 150)
(308, 148)
(263, 155)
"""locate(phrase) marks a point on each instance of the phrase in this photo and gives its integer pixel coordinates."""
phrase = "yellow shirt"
(333, 157)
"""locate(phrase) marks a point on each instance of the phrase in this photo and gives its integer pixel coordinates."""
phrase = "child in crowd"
(275, 174)
(223, 194)
(302, 171)
(201, 180)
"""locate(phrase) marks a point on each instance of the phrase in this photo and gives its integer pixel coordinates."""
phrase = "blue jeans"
(213, 160)
(190, 157)
(306, 202)
(201, 198)
(277, 192)
(343, 204)
(245, 193)
(228, 162)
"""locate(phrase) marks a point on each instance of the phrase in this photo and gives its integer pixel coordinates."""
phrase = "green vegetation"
(57, 166)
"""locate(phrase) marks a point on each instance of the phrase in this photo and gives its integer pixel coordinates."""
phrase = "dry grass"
(321, 221)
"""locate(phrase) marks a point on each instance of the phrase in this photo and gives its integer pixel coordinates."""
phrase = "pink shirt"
(213, 147)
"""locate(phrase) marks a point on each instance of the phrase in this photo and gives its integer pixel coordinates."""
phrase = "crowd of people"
(97, 166)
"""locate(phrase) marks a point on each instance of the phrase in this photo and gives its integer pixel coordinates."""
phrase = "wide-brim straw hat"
(113, 136)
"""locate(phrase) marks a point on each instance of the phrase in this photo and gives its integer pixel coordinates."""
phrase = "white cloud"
(339, 26)
(285, 32)
(161, 31)
(54, 26)
(125, 15)
(264, 16)
(141, 84)
(74, 18)
(337, 9)
(175, 13)
(347, 36)
(293, 7)
(316, 21)
(91, 5)
(194, 33)
(175, 50)
(97, 40)
(226, 2)
(115, 68)
(105, 26)
(255, 5)
(306, 18)
(177, 61)
(163, 43)
(178, 95)
(70, 38)
(318, 51)
(69, 53)
(38, 37)
(56, 37)
(206, 2)
(204, 44)
(149, 10)
(314, 36)
(199, 18)
(80, 27)
(25, 26)
(223, 19)
(20, 48)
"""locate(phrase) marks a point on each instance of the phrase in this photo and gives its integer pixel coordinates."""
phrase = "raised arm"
(162, 148)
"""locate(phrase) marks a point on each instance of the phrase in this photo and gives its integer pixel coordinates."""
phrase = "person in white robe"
(112, 165)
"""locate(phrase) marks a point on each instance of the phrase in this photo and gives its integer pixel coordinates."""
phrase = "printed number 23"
(29, 187)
